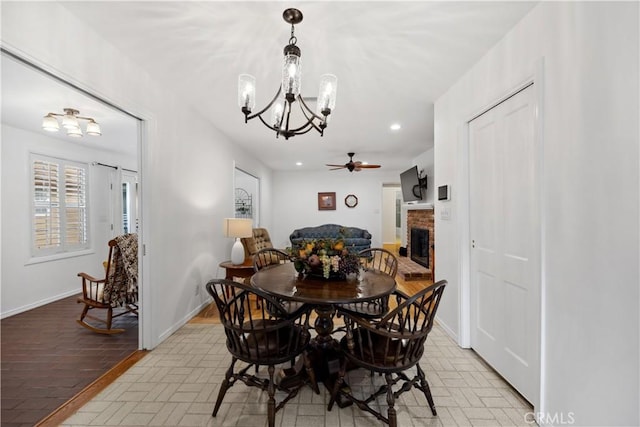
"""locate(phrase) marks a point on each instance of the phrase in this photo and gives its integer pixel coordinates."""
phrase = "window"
(59, 206)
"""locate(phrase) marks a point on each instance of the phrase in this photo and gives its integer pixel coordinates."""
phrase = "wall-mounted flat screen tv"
(412, 184)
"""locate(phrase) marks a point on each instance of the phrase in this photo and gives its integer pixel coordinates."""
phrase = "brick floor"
(177, 383)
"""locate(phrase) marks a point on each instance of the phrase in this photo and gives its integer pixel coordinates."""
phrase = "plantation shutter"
(75, 184)
(46, 218)
(60, 211)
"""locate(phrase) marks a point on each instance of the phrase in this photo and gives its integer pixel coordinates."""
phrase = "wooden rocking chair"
(119, 288)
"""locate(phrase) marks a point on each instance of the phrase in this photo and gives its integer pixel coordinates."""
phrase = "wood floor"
(47, 359)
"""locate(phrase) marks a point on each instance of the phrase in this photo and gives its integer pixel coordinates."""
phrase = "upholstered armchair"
(258, 241)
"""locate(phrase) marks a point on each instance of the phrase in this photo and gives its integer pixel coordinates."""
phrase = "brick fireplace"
(419, 220)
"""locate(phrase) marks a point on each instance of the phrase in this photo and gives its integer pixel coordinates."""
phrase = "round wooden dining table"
(284, 282)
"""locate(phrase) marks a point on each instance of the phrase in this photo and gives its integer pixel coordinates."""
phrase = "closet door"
(505, 236)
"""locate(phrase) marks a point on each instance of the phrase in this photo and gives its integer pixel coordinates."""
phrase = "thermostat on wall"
(444, 193)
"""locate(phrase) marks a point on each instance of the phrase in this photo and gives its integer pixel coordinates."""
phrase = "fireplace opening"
(420, 246)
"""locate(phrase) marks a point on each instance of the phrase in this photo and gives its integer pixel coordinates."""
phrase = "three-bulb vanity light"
(70, 121)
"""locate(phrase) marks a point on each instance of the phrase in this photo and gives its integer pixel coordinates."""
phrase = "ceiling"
(28, 95)
(392, 60)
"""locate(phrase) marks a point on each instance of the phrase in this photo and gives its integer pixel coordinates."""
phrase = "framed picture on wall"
(327, 201)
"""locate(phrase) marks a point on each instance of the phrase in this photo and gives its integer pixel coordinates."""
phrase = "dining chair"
(390, 346)
(384, 262)
(269, 257)
(258, 338)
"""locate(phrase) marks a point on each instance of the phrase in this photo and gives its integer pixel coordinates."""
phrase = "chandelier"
(290, 91)
(70, 123)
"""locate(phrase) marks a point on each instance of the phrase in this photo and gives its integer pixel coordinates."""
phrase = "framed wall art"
(327, 201)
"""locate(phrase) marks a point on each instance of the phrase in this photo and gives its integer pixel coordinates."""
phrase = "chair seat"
(273, 344)
(384, 352)
(370, 310)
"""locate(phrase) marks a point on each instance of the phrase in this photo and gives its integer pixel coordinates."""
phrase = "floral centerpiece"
(327, 258)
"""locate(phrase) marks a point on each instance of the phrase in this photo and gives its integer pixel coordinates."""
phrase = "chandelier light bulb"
(246, 92)
(277, 115)
(327, 94)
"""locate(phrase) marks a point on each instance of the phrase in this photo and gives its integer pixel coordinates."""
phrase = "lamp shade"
(50, 123)
(74, 132)
(238, 227)
(93, 128)
(69, 121)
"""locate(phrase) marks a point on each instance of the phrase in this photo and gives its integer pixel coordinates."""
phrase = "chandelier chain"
(293, 39)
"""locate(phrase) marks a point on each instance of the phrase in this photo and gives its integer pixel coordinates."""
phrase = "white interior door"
(505, 260)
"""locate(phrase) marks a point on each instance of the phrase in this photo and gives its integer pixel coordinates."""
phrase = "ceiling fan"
(352, 166)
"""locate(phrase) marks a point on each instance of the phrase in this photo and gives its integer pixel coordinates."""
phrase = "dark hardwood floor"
(47, 358)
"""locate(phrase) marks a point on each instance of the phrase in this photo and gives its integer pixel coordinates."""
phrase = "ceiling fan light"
(327, 94)
(74, 132)
(93, 128)
(246, 91)
(50, 123)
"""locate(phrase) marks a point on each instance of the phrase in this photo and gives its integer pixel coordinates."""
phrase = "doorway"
(505, 262)
(391, 216)
(30, 92)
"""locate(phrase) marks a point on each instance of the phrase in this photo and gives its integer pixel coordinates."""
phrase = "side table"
(243, 271)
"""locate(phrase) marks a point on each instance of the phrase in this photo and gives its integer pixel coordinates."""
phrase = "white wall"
(184, 196)
(295, 201)
(590, 197)
(426, 164)
(25, 284)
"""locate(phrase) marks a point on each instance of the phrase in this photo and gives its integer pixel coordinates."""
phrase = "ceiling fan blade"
(358, 163)
(335, 169)
(336, 166)
(369, 166)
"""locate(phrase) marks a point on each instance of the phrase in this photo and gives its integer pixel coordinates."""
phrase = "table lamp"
(237, 228)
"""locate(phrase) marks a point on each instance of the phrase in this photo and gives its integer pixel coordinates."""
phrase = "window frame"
(64, 248)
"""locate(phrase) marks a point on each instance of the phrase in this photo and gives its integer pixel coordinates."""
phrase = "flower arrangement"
(328, 256)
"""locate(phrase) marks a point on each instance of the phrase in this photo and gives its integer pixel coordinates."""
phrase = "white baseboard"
(40, 303)
(447, 329)
(193, 313)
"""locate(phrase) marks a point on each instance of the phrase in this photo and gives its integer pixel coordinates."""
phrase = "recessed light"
(395, 126)
(298, 163)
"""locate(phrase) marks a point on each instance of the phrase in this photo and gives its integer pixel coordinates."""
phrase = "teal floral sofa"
(355, 239)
